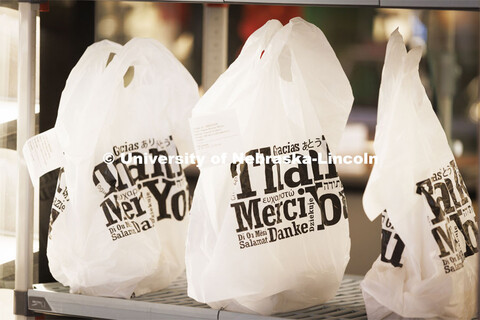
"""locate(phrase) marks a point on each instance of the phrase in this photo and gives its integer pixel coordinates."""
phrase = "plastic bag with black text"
(270, 234)
(119, 228)
(428, 264)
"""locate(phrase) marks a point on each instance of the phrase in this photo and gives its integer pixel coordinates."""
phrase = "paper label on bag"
(216, 137)
(42, 154)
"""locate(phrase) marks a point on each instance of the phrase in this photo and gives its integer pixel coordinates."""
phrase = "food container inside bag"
(120, 216)
(428, 264)
(266, 236)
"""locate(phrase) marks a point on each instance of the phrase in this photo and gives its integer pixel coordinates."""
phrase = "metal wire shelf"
(173, 303)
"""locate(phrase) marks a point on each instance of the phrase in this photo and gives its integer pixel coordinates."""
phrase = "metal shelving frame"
(52, 298)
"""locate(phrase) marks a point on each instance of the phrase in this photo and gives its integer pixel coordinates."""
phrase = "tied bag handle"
(147, 58)
(375, 192)
(93, 116)
(84, 76)
(290, 45)
(140, 52)
(96, 56)
(271, 54)
(246, 62)
(277, 63)
(392, 106)
(321, 77)
(258, 43)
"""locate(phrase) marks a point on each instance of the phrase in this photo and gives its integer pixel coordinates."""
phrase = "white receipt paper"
(216, 135)
(42, 154)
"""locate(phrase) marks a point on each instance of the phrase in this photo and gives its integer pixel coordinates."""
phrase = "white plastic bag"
(120, 227)
(428, 264)
(266, 238)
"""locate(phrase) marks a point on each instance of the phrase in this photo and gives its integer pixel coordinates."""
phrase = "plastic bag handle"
(138, 51)
(95, 55)
(276, 45)
(260, 40)
(105, 49)
(271, 59)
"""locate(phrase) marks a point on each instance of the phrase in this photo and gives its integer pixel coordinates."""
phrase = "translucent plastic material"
(428, 264)
(267, 238)
(119, 228)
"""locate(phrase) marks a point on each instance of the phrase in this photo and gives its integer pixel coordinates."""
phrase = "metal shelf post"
(214, 43)
(25, 129)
